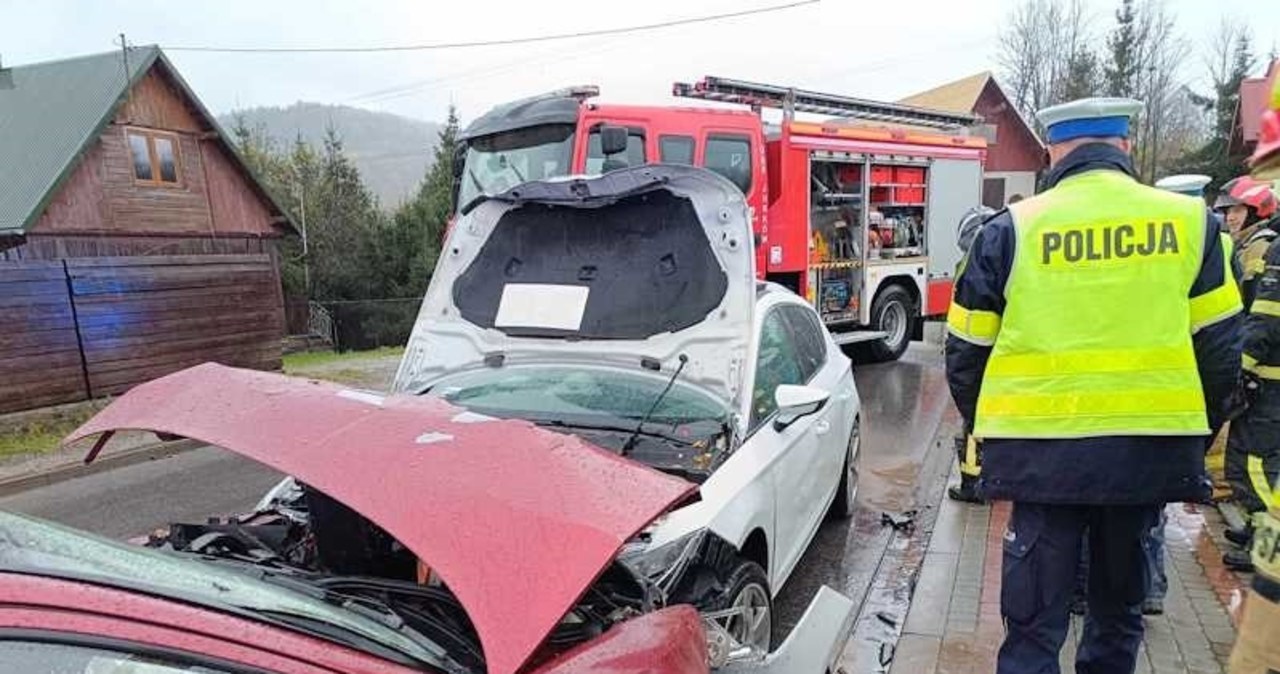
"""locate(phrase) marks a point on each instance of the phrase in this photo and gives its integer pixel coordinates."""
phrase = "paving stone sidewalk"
(954, 624)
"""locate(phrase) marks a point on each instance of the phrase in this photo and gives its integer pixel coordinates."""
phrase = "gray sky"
(882, 49)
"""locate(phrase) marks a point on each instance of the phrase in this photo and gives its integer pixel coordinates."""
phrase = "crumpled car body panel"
(670, 641)
(517, 520)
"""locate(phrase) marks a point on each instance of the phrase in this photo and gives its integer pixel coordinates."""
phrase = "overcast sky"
(874, 49)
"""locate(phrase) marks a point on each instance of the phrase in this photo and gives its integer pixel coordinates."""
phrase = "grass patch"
(42, 434)
(303, 361)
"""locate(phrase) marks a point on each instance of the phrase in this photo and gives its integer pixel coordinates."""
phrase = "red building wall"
(1015, 149)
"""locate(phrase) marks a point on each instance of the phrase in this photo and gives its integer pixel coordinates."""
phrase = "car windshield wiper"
(631, 441)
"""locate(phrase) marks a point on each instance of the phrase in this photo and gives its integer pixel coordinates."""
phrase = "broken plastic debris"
(901, 522)
(471, 418)
(366, 397)
(431, 437)
(886, 653)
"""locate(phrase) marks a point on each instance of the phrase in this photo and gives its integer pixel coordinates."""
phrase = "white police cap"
(1093, 117)
(1191, 184)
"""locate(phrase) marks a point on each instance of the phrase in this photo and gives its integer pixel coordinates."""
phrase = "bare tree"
(1036, 49)
(1159, 52)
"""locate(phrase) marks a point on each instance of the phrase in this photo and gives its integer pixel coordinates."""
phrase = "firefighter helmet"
(1245, 191)
(970, 223)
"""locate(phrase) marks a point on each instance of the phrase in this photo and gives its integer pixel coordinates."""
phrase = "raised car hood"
(517, 520)
(640, 264)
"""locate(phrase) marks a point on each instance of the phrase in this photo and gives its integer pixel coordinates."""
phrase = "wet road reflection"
(903, 405)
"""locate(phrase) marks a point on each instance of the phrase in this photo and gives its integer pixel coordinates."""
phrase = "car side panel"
(736, 500)
(47, 604)
(818, 475)
(799, 480)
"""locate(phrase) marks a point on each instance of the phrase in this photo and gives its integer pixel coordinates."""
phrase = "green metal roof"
(51, 112)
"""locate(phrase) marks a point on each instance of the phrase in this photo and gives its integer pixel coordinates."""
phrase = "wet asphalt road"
(904, 404)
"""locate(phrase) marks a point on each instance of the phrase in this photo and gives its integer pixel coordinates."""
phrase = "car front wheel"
(746, 606)
(847, 493)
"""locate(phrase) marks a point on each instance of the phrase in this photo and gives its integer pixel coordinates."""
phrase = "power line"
(478, 74)
(495, 43)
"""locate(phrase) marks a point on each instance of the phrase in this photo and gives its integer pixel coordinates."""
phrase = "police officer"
(1093, 345)
(967, 450)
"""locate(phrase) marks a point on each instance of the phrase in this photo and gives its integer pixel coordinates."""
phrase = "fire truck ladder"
(791, 100)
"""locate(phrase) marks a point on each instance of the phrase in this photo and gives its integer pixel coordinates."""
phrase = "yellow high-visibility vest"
(1095, 338)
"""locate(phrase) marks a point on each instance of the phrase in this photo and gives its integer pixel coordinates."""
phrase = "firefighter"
(967, 450)
(1248, 208)
(1071, 352)
(1257, 647)
(1253, 445)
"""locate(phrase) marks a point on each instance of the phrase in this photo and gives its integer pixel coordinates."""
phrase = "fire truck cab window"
(730, 156)
(675, 150)
(597, 163)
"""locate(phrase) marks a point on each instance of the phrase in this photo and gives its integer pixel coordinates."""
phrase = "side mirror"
(613, 139)
(797, 402)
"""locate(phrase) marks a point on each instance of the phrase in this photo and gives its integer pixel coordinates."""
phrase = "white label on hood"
(541, 305)
(366, 397)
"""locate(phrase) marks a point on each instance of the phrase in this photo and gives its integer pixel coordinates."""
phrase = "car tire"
(747, 584)
(845, 502)
(893, 312)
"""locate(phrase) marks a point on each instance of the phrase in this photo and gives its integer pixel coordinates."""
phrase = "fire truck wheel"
(893, 313)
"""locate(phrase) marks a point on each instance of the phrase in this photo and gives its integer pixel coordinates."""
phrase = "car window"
(811, 346)
(33, 656)
(597, 162)
(730, 156)
(776, 364)
(675, 149)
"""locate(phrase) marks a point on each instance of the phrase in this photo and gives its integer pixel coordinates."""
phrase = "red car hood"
(517, 520)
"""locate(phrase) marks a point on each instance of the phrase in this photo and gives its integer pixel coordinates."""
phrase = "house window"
(155, 157)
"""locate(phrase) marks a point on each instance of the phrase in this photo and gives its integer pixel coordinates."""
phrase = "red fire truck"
(860, 219)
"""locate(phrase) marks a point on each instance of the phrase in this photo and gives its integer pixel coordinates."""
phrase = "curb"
(105, 462)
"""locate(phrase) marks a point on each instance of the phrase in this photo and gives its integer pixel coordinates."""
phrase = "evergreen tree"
(342, 228)
(1216, 158)
(1121, 69)
(418, 224)
(1082, 79)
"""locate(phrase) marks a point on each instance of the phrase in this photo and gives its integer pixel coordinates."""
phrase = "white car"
(624, 309)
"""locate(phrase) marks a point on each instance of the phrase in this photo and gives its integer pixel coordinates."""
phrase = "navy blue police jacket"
(1110, 470)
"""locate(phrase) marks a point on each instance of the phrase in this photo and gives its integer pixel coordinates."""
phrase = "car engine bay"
(305, 538)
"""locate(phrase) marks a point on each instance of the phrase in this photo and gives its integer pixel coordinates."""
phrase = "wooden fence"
(88, 327)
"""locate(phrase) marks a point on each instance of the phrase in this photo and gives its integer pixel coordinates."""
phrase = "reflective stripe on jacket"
(1262, 327)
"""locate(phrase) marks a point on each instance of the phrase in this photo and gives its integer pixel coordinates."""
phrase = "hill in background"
(392, 152)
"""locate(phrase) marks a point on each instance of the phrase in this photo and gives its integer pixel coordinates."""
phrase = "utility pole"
(300, 190)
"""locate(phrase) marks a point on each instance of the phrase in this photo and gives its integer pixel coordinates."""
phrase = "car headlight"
(663, 564)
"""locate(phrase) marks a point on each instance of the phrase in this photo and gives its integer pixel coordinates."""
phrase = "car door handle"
(821, 427)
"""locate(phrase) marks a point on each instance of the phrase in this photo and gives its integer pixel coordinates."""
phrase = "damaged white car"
(625, 309)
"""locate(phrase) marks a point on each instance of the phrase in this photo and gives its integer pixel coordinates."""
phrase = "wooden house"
(134, 240)
(1015, 154)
